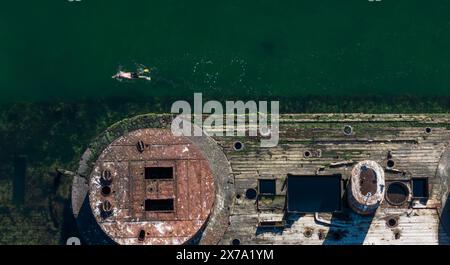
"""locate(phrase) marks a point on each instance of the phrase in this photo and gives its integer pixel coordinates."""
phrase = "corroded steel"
(125, 160)
(404, 139)
(367, 187)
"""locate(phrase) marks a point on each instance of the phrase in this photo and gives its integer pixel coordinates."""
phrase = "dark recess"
(267, 186)
(420, 187)
(310, 194)
(159, 205)
(158, 173)
(250, 194)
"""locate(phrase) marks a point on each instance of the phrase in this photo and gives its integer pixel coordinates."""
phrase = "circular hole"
(238, 196)
(141, 235)
(390, 163)
(106, 190)
(348, 130)
(250, 194)
(428, 130)
(238, 146)
(307, 154)
(391, 222)
(236, 242)
(397, 193)
(308, 233)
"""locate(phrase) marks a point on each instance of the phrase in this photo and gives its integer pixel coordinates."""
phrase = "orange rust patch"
(170, 203)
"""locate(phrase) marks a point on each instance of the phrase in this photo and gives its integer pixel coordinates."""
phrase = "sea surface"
(57, 58)
(60, 50)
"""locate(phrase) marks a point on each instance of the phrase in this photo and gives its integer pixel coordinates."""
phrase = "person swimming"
(140, 74)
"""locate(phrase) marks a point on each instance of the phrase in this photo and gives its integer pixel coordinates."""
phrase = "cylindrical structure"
(367, 187)
(160, 193)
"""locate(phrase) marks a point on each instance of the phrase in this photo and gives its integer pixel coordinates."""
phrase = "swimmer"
(133, 75)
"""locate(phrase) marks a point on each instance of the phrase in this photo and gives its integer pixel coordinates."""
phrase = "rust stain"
(185, 189)
(367, 187)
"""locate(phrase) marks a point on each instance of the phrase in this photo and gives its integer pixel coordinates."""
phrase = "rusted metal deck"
(412, 150)
(160, 189)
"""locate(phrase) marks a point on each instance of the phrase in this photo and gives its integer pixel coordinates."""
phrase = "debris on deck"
(333, 179)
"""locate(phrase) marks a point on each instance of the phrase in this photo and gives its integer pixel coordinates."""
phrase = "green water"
(60, 50)
(57, 58)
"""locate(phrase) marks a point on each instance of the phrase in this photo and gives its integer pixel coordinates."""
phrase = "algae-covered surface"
(57, 59)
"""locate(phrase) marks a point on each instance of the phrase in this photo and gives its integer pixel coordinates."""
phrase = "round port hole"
(106, 191)
(308, 233)
(397, 193)
(238, 146)
(348, 130)
(392, 222)
(390, 163)
(250, 194)
(307, 154)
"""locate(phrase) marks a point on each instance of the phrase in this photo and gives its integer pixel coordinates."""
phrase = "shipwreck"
(332, 179)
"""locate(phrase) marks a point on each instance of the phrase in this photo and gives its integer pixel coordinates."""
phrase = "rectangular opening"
(267, 186)
(311, 194)
(420, 187)
(159, 173)
(271, 224)
(159, 205)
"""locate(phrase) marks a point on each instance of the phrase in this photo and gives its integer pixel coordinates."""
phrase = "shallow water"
(226, 49)
(57, 58)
